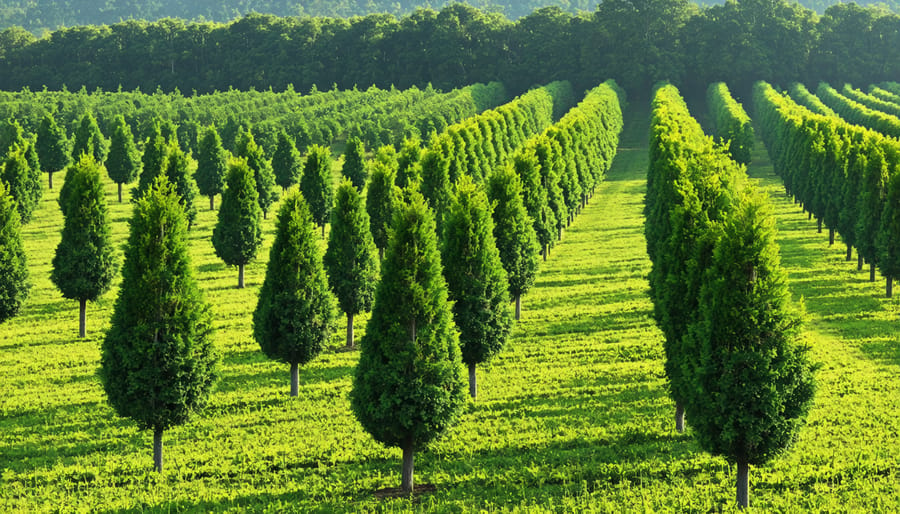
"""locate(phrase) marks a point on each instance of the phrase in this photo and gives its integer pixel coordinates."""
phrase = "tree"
(238, 232)
(754, 383)
(408, 162)
(316, 184)
(211, 166)
(177, 170)
(409, 387)
(350, 257)
(514, 232)
(52, 147)
(122, 163)
(152, 161)
(382, 199)
(158, 364)
(89, 140)
(886, 242)
(14, 284)
(435, 185)
(286, 162)
(475, 277)
(535, 197)
(85, 262)
(354, 163)
(294, 318)
(23, 183)
(263, 175)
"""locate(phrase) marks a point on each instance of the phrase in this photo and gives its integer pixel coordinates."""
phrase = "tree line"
(637, 43)
(733, 360)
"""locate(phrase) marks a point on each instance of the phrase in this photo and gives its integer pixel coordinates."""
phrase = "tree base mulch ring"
(396, 492)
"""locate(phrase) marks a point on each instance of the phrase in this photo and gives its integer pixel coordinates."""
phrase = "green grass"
(573, 416)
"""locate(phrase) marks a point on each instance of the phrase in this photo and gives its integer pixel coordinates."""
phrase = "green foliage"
(177, 170)
(354, 166)
(513, 230)
(211, 164)
(316, 184)
(14, 283)
(123, 163)
(152, 160)
(237, 236)
(887, 242)
(158, 364)
(408, 387)
(11, 134)
(263, 175)
(23, 183)
(52, 145)
(731, 125)
(476, 280)
(435, 184)
(286, 162)
(89, 140)
(350, 258)
(85, 262)
(534, 194)
(294, 318)
(382, 199)
(407, 162)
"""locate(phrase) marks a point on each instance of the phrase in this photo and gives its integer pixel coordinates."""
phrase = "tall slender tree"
(294, 318)
(123, 162)
(316, 184)
(23, 183)
(152, 160)
(177, 169)
(354, 166)
(88, 139)
(238, 232)
(52, 147)
(263, 176)
(158, 364)
(382, 199)
(286, 162)
(211, 166)
(14, 283)
(409, 386)
(85, 262)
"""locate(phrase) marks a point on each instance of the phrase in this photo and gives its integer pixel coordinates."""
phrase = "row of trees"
(858, 113)
(843, 174)
(730, 122)
(739, 42)
(720, 296)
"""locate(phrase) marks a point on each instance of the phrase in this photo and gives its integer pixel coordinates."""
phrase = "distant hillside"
(38, 15)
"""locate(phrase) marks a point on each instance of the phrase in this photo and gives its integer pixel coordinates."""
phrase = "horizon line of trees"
(638, 44)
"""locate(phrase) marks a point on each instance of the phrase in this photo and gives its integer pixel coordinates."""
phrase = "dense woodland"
(638, 43)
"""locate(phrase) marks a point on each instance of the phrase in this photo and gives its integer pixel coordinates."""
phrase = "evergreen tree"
(52, 147)
(157, 363)
(11, 134)
(177, 170)
(123, 162)
(354, 163)
(23, 183)
(286, 162)
(350, 258)
(238, 232)
(152, 161)
(514, 232)
(475, 277)
(14, 284)
(887, 242)
(85, 262)
(754, 383)
(409, 386)
(294, 318)
(535, 196)
(382, 199)
(316, 184)
(263, 175)
(435, 185)
(408, 170)
(89, 140)
(211, 166)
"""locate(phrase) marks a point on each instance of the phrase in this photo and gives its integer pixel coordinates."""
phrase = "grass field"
(573, 416)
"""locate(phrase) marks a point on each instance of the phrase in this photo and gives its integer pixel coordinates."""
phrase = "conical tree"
(535, 197)
(14, 284)
(177, 170)
(475, 277)
(238, 232)
(887, 242)
(435, 185)
(382, 199)
(158, 364)
(23, 183)
(152, 161)
(408, 169)
(211, 166)
(316, 184)
(263, 176)
(286, 162)
(514, 232)
(123, 162)
(88, 139)
(350, 257)
(354, 163)
(294, 318)
(85, 262)
(52, 147)
(754, 383)
(409, 386)
(11, 135)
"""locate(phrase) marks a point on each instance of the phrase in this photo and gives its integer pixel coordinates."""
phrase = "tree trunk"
(120, 191)
(544, 252)
(323, 231)
(473, 382)
(849, 252)
(871, 272)
(679, 417)
(82, 318)
(157, 449)
(381, 254)
(889, 286)
(559, 233)
(265, 215)
(743, 485)
(518, 306)
(406, 480)
(819, 226)
(240, 276)
(809, 215)
(212, 202)
(349, 330)
(50, 177)
(859, 261)
(295, 380)
(830, 236)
